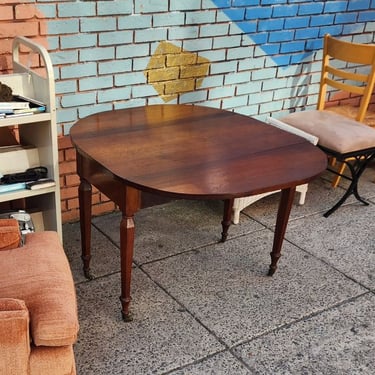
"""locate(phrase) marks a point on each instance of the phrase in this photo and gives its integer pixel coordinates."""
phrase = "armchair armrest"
(14, 336)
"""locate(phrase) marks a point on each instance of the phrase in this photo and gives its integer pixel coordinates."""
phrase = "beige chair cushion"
(334, 131)
(39, 274)
(351, 112)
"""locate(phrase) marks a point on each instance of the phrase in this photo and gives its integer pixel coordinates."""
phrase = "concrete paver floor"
(203, 307)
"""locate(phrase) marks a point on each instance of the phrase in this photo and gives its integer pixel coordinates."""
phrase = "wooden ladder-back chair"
(356, 79)
(344, 139)
(350, 69)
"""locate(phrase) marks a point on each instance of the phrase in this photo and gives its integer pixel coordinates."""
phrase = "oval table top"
(193, 151)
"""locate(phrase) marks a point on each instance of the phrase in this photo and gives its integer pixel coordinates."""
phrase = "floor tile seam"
(107, 236)
(299, 320)
(200, 323)
(139, 264)
(290, 220)
(198, 247)
(286, 325)
(195, 362)
(100, 277)
(308, 214)
(185, 308)
(348, 202)
(327, 264)
(152, 261)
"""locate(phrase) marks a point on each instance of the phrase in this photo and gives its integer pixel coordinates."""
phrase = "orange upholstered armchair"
(38, 309)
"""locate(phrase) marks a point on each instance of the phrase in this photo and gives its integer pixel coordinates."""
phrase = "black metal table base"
(357, 163)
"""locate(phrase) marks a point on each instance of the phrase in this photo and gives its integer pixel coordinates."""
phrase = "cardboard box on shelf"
(7, 137)
(37, 218)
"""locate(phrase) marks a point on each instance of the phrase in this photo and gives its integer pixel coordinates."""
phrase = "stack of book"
(30, 185)
(21, 106)
(20, 169)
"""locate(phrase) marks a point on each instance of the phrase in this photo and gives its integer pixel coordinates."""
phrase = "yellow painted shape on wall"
(163, 74)
(173, 71)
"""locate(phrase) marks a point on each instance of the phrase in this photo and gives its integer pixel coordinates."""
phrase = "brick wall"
(255, 57)
(69, 183)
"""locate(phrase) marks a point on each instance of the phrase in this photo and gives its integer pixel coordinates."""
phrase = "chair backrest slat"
(345, 87)
(348, 79)
(347, 75)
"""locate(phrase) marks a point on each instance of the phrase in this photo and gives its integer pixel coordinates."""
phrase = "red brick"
(5, 63)
(72, 180)
(31, 59)
(12, 29)
(70, 216)
(42, 40)
(70, 154)
(72, 203)
(26, 11)
(67, 167)
(69, 192)
(64, 142)
(6, 12)
(103, 208)
(11, 1)
(95, 198)
(104, 198)
(61, 156)
(5, 45)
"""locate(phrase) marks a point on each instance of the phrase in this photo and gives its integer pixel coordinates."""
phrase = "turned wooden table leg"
(127, 233)
(84, 196)
(286, 201)
(127, 246)
(227, 218)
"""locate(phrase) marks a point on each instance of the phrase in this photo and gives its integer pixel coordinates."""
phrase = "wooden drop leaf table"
(188, 152)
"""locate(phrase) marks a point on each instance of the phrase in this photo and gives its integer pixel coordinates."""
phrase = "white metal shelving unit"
(38, 130)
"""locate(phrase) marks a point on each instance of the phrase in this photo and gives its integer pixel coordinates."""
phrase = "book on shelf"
(21, 106)
(14, 105)
(40, 184)
(30, 185)
(6, 188)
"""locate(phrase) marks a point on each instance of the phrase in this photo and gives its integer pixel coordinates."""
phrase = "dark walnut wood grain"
(190, 152)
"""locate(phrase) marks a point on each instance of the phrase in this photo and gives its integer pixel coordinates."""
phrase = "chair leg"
(227, 218)
(302, 189)
(336, 180)
(356, 169)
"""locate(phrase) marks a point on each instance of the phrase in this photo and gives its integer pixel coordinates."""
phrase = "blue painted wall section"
(263, 57)
(289, 31)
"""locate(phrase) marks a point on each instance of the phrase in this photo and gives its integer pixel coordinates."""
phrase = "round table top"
(194, 151)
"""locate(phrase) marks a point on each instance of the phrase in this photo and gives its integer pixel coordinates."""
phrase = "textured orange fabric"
(39, 274)
(52, 360)
(14, 337)
(10, 234)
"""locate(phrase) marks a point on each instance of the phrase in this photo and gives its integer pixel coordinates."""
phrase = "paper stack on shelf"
(40, 184)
